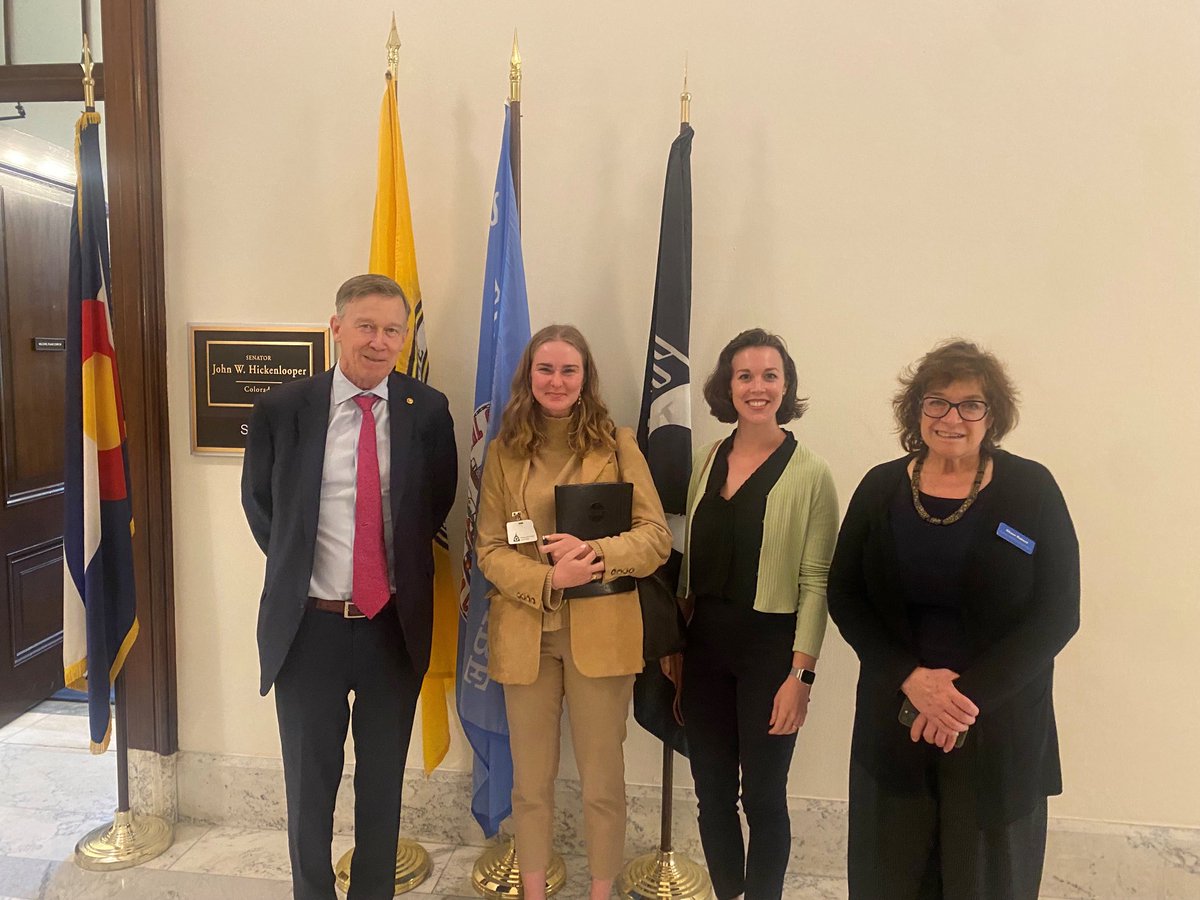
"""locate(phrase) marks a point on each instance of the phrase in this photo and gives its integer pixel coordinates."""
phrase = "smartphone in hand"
(909, 713)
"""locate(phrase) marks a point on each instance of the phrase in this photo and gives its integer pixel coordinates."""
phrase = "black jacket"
(281, 495)
(1018, 610)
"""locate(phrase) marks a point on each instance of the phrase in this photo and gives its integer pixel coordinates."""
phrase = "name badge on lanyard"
(521, 530)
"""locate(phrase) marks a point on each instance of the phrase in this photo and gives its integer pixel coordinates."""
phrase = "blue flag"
(503, 334)
(99, 608)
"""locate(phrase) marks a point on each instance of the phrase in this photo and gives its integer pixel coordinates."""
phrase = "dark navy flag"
(503, 334)
(665, 423)
(99, 608)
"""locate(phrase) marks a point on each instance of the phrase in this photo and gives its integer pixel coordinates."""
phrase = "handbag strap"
(617, 453)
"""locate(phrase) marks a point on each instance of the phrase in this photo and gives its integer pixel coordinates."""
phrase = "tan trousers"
(598, 708)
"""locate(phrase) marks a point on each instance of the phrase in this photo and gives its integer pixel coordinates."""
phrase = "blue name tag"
(1015, 538)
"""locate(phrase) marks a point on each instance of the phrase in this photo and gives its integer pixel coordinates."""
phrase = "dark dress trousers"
(735, 661)
(315, 659)
(1017, 610)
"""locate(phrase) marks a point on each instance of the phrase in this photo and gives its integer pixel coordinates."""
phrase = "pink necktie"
(370, 584)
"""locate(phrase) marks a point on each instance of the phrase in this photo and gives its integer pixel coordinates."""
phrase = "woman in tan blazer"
(556, 430)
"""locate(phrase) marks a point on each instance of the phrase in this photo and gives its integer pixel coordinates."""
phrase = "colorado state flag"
(99, 609)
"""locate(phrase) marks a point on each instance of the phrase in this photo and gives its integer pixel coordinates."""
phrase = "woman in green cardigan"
(762, 523)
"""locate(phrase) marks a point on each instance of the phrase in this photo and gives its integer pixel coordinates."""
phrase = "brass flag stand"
(129, 840)
(412, 867)
(413, 864)
(665, 874)
(497, 872)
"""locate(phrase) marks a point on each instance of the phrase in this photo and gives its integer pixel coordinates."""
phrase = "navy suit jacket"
(281, 495)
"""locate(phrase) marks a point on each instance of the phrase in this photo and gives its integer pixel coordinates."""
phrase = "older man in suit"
(347, 477)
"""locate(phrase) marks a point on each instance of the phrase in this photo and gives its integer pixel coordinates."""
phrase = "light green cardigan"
(799, 533)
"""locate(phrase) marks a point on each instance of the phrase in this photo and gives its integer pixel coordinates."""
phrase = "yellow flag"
(392, 250)
(394, 254)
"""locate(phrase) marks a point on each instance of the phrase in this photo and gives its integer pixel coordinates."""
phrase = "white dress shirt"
(333, 556)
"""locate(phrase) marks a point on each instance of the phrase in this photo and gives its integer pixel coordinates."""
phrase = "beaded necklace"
(958, 513)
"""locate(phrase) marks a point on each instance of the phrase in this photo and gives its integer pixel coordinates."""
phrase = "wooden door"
(34, 220)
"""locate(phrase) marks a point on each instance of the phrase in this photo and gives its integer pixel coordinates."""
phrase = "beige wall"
(868, 178)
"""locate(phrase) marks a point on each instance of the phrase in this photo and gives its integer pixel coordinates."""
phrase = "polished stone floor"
(53, 791)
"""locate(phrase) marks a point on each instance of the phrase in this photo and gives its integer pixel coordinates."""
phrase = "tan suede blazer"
(606, 632)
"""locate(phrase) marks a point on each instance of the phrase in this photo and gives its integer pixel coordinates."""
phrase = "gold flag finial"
(393, 49)
(89, 83)
(685, 99)
(514, 72)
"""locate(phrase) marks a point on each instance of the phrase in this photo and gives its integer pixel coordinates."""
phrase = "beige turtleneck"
(553, 463)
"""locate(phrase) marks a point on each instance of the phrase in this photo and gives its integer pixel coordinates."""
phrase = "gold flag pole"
(129, 840)
(514, 104)
(413, 863)
(89, 82)
(497, 872)
(685, 99)
(393, 51)
(666, 874)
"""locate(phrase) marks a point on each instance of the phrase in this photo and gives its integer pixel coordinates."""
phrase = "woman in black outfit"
(956, 581)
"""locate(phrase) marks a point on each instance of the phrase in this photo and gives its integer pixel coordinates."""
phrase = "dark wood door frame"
(128, 83)
(139, 313)
(48, 82)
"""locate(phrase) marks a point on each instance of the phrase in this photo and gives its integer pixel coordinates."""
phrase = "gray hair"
(369, 286)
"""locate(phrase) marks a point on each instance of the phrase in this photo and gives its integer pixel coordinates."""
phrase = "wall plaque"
(234, 365)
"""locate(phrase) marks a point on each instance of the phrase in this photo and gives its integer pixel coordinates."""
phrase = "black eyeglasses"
(968, 410)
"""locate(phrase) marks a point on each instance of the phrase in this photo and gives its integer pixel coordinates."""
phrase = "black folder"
(591, 511)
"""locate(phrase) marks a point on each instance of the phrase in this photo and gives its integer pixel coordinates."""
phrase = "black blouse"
(727, 534)
(933, 563)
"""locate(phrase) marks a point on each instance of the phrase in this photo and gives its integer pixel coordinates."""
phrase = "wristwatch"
(807, 676)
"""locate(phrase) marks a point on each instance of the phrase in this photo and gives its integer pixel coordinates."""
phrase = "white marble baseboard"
(1084, 859)
(153, 784)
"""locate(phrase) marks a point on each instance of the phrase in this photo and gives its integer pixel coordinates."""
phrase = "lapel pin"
(408, 400)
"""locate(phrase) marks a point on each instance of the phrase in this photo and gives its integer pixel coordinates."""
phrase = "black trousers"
(735, 661)
(931, 847)
(329, 658)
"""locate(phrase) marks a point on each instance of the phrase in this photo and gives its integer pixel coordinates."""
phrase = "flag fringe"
(102, 747)
(87, 118)
(75, 675)
(122, 652)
